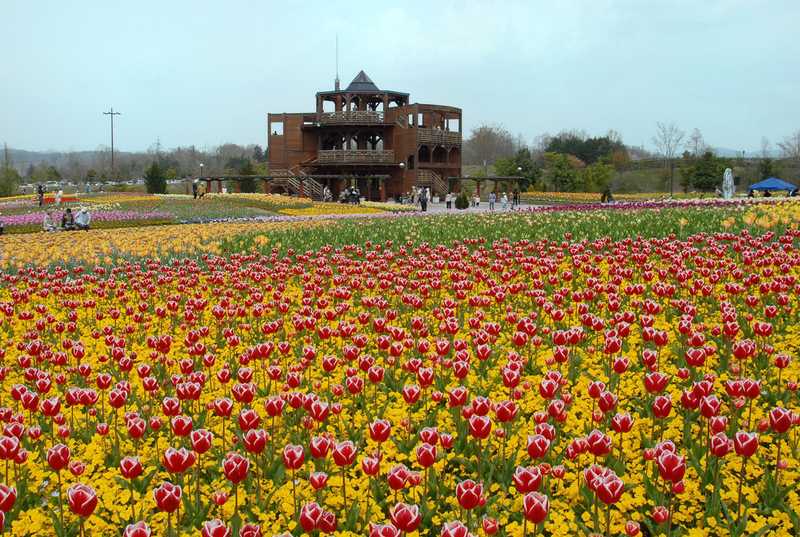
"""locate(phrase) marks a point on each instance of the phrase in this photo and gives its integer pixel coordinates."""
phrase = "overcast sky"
(207, 72)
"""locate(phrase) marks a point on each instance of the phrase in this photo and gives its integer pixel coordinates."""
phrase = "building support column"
(208, 186)
(237, 186)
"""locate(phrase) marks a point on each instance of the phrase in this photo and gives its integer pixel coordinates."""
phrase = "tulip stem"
(197, 484)
(60, 499)
(669, 514)
(778, 461)
(294, 495)
(133, 508)
(741, 483)
(344, 491)
(608, 521)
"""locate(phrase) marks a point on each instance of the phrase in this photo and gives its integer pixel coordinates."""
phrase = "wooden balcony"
(354, 117)
(438, 136)
(354, 156)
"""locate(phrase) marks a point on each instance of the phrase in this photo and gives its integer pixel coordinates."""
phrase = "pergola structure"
(284, 181)
(494, 178)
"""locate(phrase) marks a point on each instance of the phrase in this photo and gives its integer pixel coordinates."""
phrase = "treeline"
(95, 166)
(566, 162)
(575, 161)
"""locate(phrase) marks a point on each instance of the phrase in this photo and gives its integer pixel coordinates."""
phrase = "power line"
(111, 113)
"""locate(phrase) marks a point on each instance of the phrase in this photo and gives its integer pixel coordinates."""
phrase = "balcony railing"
(354, 156)
(438, 136)
(354, 117)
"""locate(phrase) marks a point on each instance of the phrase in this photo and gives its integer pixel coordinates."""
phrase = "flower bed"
(632, 372)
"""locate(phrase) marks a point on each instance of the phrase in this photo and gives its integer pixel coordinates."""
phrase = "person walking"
(492, 199)
(504, 201)
(515, 198)
(195, 184)
(423, 200)
(40, 194)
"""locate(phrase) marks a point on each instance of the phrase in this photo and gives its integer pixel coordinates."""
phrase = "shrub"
(462, 202)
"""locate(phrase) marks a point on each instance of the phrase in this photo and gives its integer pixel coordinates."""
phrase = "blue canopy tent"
(773, 183)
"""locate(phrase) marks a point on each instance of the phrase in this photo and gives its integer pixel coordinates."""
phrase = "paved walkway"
(484, 207)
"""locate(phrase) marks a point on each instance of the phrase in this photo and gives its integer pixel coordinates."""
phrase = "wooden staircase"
(432, 180)
(289, 180)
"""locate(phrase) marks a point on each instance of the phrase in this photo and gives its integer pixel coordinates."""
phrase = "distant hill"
(22, 158)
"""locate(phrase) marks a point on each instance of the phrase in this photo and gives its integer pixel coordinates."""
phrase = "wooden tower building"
(374, 139)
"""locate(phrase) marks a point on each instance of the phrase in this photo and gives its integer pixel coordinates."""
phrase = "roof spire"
(336, 81)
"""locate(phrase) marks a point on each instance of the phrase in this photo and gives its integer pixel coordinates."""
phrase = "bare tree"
(696, 145)
(667, 140)
(790, 146)
(765, 147)
(488, 143)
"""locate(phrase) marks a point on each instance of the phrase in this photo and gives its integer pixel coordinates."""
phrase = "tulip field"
(569, 371)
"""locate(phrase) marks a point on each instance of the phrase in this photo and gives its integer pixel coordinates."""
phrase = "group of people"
(350, 194)
(419, 196)
(198, 189)
(69, 221)
(768, 194)
(503, 199)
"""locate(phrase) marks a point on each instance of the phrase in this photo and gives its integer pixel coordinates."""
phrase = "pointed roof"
(362, 83)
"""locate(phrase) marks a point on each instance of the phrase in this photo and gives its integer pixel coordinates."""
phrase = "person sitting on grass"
(47, 222)
(68, 220)
(82, 219)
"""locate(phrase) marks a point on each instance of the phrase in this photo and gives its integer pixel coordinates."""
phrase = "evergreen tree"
(155, 180)
(704, 173)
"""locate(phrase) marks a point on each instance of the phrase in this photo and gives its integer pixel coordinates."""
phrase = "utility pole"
(111, 113)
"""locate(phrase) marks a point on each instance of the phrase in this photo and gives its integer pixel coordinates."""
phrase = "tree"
(766, 147)
(91, 175)
(52, 174)
(170, 174)
(486, 144)
(247, 184)
(9, 181)
(704, 173)
(696, 144)
(790, 146)
(588, 149)
(560, 173)
(520, 165)
(258, 154)
(768, 168)
(154, 179)
(596, 177)
(667, 139)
